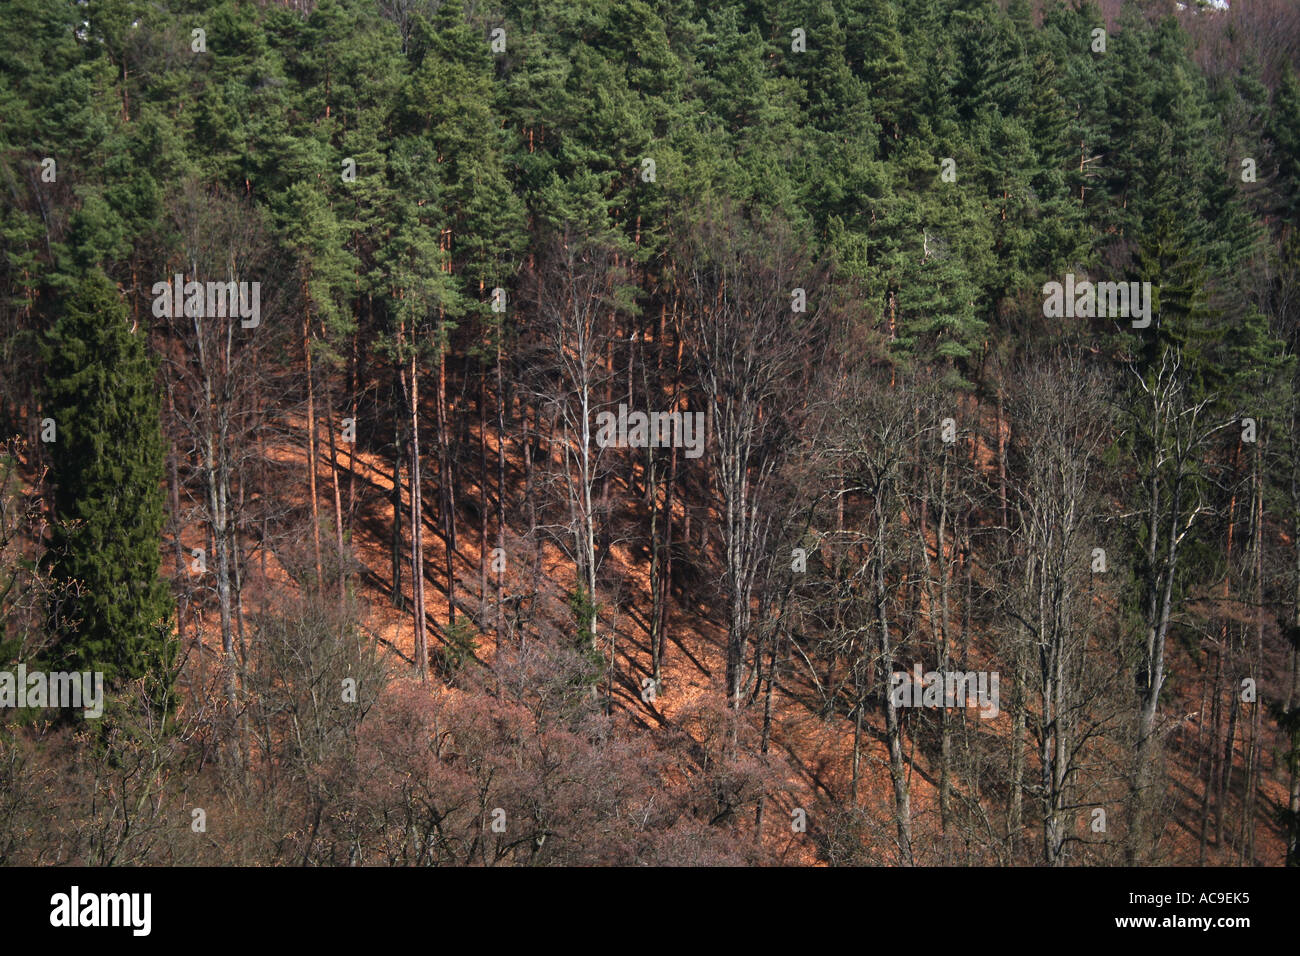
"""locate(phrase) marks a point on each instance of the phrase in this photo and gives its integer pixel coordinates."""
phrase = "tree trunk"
(399, 601)
(447, 491)
(502, 399)
(311, 452)
(338, 500)
(417, 524)
(897, 768)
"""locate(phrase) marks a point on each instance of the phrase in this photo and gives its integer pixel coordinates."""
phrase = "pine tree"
(1284, 131)
(108, 476)
(874, 50)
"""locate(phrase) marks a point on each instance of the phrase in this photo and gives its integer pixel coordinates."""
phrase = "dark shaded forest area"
(556, 432)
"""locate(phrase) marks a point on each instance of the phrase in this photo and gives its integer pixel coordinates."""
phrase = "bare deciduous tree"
(756, 356)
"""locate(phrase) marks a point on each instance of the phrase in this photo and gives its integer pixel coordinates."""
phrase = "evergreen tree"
(108, 472)
(1284, 130)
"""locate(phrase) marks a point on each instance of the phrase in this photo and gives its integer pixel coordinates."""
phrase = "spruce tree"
(107, 469)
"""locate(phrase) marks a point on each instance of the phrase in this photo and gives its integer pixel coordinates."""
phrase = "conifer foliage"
(107, 451)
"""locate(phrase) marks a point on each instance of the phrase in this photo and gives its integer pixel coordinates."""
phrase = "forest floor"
(811, 753)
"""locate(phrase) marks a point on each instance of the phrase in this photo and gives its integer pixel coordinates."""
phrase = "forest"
(614, 432)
